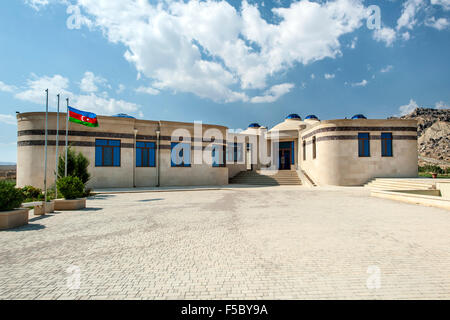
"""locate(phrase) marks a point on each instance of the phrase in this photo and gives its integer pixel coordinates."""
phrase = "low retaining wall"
(414, 198)
(13, 218)
(75, 204)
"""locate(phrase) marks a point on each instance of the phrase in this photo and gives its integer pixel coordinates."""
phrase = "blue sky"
(229, 63)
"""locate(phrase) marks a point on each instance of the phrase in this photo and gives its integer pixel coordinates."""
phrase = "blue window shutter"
(363, 144)
(145, 159)
(98, 156)
(107, 156)
(389, 147)
(152, 158)
(186, 154)
(367, 147)
(116, 156)
(174, 154)
(292, 153)
(213, 156)
(101, 142)
(138, 157)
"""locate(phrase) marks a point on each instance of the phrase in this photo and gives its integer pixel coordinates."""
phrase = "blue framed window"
(386, 144)
(145, 154)
(292, 153)
(180, 154)
(234, 152)
(314, 147)
(107, 153)
(364, 144)
(217, 156)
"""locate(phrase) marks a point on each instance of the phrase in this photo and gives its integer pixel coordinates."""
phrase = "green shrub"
(77, 166)
(10, 196)
(31, 193)
(71, 187)
(432, 169)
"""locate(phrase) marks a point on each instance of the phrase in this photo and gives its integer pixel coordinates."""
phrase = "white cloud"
(385, 34)
(217, 52)
(409, 12)
(386, 69)
(90, 81)
(8, 119)
(148, 90)
(412, 105)
(408, 108)
(101, 104)
(362, 83)
(120, 88)
(406, 35)
(6, 88)
(35, 89)
(353, 43)
(274, 93)
(104, 105)
(329, 76)
(445, 4)
(439, 24)
(441, 105)
(313, 76)
(37, 4)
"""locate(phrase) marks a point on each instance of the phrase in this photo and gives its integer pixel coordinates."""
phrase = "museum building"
(125, 152)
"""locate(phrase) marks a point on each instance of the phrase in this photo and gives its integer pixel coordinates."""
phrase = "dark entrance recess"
(284, 159)
(285, 155)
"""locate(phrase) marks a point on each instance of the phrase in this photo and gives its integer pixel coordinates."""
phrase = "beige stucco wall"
(30, 158)
(337, 161)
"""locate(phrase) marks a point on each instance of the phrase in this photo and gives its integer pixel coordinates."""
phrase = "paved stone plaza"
(241, 243)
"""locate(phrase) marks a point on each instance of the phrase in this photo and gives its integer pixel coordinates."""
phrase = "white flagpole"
(57, 145)
(67, 137)
(45, 148)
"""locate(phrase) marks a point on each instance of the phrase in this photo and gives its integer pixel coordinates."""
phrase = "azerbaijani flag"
(82, 117)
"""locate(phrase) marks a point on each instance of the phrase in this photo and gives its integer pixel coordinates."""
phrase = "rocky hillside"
(434, 135)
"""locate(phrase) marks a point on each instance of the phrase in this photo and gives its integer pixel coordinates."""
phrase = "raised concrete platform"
(429, 198)
(13, 218)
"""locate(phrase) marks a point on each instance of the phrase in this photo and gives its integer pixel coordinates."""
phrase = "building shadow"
(28, 227)
(101, 197)
(150, 200)
(91, 209)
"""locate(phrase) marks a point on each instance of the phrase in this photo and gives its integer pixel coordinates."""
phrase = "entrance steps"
(401, 184)
(281, 177)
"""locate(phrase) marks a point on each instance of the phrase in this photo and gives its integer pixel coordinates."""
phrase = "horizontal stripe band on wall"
(332, 129)
(353, 137)
(112, 135)
(62, 143)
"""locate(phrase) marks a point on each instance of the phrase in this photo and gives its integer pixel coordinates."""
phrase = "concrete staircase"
(401, 184)
(282, 177)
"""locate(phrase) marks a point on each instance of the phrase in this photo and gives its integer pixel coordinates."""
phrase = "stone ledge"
(13, 218)
(75, 204)
(40, 210)
(426, 200)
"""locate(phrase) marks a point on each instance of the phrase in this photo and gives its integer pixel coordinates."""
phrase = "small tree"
(10, 196)
(77, 166)
(71, 187)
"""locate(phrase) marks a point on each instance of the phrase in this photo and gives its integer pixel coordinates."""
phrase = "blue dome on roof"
(254, 125)
(311, 116)
(359, 116)
(123, 115)
(293, 116)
